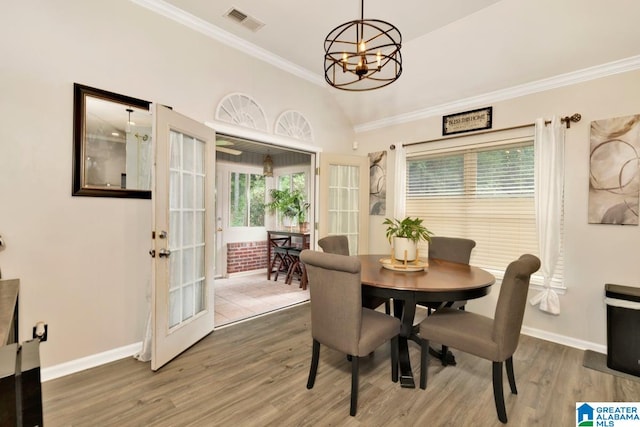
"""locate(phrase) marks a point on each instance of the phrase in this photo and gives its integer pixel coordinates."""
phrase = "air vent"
(243, 19)
(236, 14)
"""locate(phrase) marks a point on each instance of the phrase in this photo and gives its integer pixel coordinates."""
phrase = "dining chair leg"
(512, 378)
(498, 395)
(304, 280)
(394, 359)
(354, 385)
(445, 350)
(424, 363)
(315, 356)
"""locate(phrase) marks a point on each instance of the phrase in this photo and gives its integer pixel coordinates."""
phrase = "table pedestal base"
(406, 376)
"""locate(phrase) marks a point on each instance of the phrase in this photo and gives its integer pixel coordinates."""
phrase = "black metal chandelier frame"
(354, 63)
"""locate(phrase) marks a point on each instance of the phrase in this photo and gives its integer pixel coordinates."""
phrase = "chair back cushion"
(335, 294)
(512, 303)
(452, 249)
(335, 245)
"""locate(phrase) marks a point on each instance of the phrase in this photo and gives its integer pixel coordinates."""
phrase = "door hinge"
(317, 171)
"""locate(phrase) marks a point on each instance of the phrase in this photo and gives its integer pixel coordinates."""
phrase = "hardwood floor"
(242, 297)
(255, 373)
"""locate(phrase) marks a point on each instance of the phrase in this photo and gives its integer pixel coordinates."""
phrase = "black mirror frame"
(79, 113)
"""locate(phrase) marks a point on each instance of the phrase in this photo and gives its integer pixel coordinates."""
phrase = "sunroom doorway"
(246, 171)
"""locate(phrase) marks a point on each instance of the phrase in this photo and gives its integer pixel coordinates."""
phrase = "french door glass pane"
(187, 301)
(174, 182)
(188, 154)
(199, 295)
(199, 194)
(200, 229)
(174, 308)
(187, 228)
(188, 261)
(344, 203)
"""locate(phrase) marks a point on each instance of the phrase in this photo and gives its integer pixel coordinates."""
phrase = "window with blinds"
(483, 192)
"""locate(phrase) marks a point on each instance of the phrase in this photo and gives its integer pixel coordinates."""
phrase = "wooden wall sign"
(467, 121)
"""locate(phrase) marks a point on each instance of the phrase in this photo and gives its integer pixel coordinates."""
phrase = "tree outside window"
(247, 200)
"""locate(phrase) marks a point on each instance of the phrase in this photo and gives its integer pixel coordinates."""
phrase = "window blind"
(482, 192)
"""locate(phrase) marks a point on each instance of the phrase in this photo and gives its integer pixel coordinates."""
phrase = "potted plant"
(300, 206)
(290, 204)
(404, 235)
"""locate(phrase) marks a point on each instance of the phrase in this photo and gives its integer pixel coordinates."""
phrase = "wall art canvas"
(378, 183)
(614, 175)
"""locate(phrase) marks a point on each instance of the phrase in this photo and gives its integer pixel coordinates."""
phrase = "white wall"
(594, 254)
(83, 261)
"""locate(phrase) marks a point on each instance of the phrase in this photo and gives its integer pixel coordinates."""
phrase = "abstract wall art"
(378, 183)
(614, 174)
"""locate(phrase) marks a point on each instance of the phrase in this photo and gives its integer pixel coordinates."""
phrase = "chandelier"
(362, 54)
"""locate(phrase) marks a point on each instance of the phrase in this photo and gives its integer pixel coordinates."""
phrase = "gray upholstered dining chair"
(335, 245)
(339, 321)
(493, 339)
(454, 249)
(339, 244)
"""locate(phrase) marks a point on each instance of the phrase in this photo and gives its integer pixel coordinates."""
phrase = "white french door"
(344, 199)
(184, 230)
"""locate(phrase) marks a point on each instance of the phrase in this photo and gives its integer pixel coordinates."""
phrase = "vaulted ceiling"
(457, 54)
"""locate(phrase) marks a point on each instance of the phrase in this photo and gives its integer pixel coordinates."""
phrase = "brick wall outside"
(246, 256)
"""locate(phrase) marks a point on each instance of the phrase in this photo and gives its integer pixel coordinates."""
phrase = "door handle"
(164, 253)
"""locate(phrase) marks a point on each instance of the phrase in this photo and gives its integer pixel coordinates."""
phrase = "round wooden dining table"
(440, 282)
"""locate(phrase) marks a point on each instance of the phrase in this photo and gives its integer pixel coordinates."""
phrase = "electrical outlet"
(43, 338)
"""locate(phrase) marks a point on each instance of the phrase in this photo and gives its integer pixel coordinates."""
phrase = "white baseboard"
(564, 340)
(92, 361)
(81, 364)
(246, 273)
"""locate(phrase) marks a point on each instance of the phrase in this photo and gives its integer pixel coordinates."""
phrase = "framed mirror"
(112, 155)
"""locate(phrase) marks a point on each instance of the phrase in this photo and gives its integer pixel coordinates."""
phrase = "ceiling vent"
(243, 19)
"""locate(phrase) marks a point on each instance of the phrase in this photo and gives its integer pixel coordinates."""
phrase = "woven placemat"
(598, 362)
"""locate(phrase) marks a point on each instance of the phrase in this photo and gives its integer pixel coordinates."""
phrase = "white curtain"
(549, 184)
(399, 206)
(144, 355)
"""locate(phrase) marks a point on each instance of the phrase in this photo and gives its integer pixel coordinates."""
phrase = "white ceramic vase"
(404, 249)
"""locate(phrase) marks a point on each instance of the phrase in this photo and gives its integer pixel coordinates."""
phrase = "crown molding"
(568, 79)
(180, 16)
